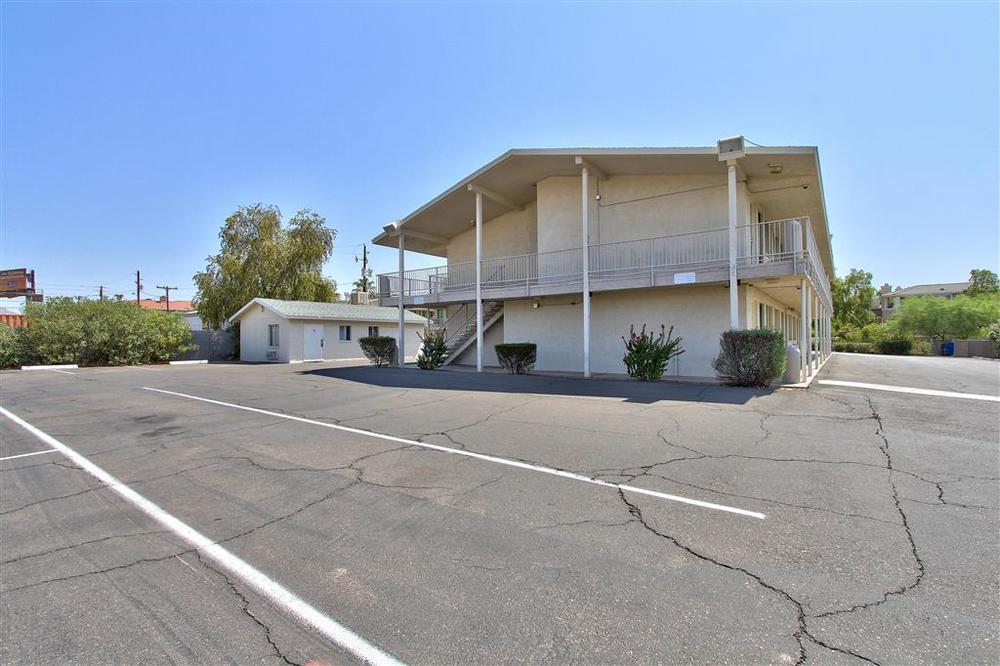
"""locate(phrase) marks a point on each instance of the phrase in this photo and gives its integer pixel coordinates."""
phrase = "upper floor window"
(373, 331)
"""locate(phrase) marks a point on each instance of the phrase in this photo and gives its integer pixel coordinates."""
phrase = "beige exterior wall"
(494, 335)
(699, 314)
(508, 235)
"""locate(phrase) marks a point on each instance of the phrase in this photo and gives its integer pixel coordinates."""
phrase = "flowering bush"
(647, 355)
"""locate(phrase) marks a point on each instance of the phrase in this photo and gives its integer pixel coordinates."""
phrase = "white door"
(313, 334)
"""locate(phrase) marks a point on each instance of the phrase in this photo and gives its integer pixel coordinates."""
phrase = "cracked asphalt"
(880, 545)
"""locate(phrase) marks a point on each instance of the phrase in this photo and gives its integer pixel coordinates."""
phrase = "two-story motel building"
(567, 248)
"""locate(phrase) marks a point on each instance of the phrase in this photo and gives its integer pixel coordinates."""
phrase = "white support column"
(803, 334)
(812, 334)
(585, 182)
(401, 335)
(479, 281)
(734, 305)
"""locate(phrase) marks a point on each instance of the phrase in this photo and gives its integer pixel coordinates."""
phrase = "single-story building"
(297, 331)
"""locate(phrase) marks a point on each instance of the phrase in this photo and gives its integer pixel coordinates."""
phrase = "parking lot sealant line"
(472, 454)
(275, 593)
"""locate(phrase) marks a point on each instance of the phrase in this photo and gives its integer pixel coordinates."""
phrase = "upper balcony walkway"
(768, 249)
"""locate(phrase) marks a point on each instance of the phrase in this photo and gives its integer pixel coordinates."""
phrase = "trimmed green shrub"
(379, 349)
(898, 345)
(12, 346)
(97, 333)
(752, 357)
(518, 357)
(433, 351)
(854, 347)
(646, 355)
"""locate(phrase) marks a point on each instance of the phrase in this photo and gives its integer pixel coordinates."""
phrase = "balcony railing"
(767, 242)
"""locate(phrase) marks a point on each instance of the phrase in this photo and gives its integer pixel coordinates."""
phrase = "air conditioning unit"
(272, 356)
(732, 148)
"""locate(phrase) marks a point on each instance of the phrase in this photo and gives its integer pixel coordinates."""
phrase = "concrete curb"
(67, 366)
(197, 362)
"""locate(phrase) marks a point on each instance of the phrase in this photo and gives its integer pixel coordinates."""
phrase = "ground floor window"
(373, 331)
(272, 335)
(345, 333)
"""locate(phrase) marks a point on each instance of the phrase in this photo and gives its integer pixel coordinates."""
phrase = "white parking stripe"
(471, 454)
(258, 581)
(25, 455)
(909, 389)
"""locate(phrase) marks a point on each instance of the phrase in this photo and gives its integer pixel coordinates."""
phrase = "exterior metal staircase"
(465, 333)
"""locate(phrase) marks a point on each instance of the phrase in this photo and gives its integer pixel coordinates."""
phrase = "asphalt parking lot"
(454, 518)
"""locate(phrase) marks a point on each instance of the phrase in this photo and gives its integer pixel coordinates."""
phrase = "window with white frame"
(272, 335)
(345, 333)
(373, 331)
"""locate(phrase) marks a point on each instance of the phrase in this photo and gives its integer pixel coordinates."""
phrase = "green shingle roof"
(338, 311)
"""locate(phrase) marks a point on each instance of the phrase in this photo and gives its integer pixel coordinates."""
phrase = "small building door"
(313, 341)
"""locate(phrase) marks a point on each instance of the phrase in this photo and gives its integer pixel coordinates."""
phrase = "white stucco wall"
(254, 338)
(699, 314)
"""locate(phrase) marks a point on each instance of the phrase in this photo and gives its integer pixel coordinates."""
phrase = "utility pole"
(138, 287)
(100, 292)
(166, 289)
(364, 266)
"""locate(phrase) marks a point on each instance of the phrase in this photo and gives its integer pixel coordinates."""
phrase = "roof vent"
(732, 148)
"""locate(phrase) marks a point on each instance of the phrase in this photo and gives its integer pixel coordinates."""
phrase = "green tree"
(961, 317)
(984, 281)
(366, 282)
(852, 299)
(261, 257)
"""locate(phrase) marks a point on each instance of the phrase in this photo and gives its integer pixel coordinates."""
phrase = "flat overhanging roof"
(514, 174)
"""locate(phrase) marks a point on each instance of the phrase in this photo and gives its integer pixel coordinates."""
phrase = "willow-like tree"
(259, 256)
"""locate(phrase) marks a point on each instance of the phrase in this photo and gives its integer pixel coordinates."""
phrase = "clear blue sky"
(131, 130)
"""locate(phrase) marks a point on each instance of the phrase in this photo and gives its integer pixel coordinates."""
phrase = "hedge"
(752, 357)
(12, 346)
(101, 332)
(379, 349)
(900, 346)
(518, 357)
(854, 347)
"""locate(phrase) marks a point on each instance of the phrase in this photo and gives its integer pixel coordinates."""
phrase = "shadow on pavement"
(628, 391)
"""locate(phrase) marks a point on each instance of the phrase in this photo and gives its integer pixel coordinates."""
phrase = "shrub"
(994, 334)
(518, 357)
(646, 355)
(379, 349)
(433, 351)
(898, 345)
(750, 357)
(854, 347)
(92, 333)
(12, 346)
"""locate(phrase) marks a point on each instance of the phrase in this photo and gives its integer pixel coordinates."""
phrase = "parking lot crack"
(245, 607)
(918, 576)
(59, 549)
(802, 630)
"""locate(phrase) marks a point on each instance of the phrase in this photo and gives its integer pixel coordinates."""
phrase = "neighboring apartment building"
(888, 300)
(567, 248)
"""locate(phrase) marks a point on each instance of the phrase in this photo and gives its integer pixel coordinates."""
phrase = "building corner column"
(803, 323)
(479, 282)
(734, 305)
(401, 334)
(585, 183)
